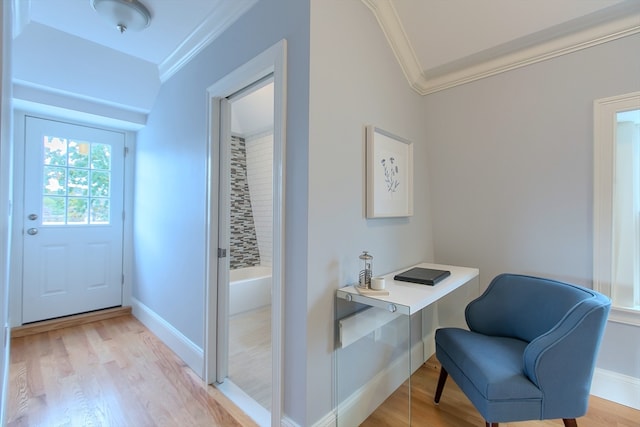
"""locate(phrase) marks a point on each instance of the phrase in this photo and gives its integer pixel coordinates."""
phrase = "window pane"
(55, 151)
(79, 154)
(101, 156)
(53, 210)
(100, 211)
(626, 208)
(100, 183)
(55, 180)
(78, 211)
(78, 182)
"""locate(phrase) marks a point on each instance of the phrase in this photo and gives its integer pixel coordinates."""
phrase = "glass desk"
(382, 339)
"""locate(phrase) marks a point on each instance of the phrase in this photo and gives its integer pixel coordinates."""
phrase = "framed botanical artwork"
(389, 174)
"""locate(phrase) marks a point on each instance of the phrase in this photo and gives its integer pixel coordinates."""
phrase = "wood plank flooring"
(455, 410)
(112, 372)
(115, 372)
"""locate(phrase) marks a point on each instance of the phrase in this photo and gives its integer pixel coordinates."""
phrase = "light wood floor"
(455, 410)
(115, 372)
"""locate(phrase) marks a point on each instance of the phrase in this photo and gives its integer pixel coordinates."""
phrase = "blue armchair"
(530, 350)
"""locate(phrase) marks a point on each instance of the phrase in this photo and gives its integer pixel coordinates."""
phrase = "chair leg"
(488, 424)
(441, 380)
(570, 422)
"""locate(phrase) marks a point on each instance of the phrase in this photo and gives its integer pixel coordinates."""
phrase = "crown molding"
(426, 82)
(393, 30)
(225, 14)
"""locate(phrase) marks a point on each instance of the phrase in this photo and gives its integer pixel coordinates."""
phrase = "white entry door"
(73, 224)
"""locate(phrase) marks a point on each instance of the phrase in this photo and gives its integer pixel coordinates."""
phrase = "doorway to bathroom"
(245, 239)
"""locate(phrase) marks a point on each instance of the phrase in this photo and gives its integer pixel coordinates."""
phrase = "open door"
(270, 64)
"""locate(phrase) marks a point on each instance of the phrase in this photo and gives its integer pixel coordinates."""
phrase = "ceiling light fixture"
(123, 14)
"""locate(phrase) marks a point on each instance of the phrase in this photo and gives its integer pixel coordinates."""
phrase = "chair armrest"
(561, 361)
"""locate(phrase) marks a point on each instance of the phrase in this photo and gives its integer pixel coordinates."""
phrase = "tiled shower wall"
(244, 244)
(260, 176)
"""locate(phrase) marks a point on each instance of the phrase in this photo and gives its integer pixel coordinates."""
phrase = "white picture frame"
(389, 174)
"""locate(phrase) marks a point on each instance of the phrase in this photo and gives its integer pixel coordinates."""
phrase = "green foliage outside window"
(77, 182)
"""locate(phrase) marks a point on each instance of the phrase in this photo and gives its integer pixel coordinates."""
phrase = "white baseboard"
(288, 422)
(4, 378)
(329, 420)
(622, 389)
(242, 400)
(357, 407)
(186, 350)
(618, 388)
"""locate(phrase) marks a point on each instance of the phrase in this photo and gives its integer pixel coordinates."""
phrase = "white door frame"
(15, 289)
(271, 61)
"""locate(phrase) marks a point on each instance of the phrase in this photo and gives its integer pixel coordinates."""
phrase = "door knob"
(33, 217)
(32, 231)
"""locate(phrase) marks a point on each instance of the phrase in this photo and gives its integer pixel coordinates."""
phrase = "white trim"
(618, 388)
(288, 422)
(186, 349)
(18, 141)
(127, 226)
(224, 14)
(393, 30)
(353, 410)
(423, 83)
(243, 401)
(604, 114)
(4, 379)
(329, 420)
(626, 316)
(272, 60)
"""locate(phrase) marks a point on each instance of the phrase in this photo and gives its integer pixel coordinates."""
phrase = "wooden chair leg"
(488, 424)
(441, 380)
(570, 422)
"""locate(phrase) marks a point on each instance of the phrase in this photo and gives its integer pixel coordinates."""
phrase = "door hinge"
(122, 280)
(126, 151)
(222, 253)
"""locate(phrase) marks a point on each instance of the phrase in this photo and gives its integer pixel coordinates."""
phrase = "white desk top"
(410, 298)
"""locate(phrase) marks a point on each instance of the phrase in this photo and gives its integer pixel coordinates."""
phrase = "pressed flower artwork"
(389, 175)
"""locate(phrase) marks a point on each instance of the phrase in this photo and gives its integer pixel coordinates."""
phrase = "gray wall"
(511, 168)
(170, 183)
(355, 81)
(503, 176)
(6, 143)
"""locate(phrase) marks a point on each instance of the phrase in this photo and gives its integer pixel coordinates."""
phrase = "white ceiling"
(171, 23)
(444, 43)
(177, 26)
(447, 35)
(434, 40)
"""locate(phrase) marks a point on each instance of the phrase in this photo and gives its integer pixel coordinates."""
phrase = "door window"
(77, 182)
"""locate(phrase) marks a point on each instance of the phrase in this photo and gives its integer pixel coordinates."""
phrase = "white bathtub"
(249, 289)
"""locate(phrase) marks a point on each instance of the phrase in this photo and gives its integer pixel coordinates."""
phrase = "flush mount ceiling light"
(123, 14)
